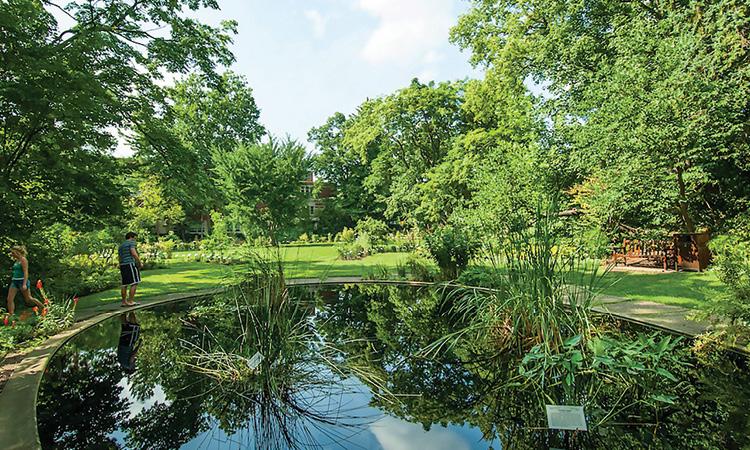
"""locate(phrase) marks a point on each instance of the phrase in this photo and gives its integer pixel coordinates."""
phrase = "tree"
(346, 169)
(655, 90)
(64, 91)
(150, 210)
(412, 130)
(204, 118)
(262, 183)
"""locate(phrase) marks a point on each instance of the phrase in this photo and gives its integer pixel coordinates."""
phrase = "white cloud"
(317, 21)
(408, 30)
(394, 434)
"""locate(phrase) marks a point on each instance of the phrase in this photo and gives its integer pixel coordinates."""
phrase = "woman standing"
(20, 280)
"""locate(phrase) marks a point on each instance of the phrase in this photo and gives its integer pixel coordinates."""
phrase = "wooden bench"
(645, 253)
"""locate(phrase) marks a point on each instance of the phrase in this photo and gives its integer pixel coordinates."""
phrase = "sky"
(307, 59)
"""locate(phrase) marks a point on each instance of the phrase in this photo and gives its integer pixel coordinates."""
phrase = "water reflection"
(375, 392)
(129, 342)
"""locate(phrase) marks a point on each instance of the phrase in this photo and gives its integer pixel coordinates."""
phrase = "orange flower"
(5, 321)
(46, 301)
(44, 312)
(35, 309)
(39, 284)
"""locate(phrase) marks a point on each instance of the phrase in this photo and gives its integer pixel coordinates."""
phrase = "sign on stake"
(560, 417)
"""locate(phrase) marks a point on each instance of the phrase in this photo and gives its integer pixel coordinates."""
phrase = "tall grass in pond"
(270, 366)
(539, 292)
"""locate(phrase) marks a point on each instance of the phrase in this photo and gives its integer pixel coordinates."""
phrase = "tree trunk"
(682, 205)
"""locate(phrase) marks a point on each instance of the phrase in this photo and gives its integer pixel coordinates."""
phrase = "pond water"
(352, 374)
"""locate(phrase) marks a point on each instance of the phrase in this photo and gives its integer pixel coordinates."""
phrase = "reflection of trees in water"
(79, 401)
(299, 397)
(457, 387)
(374, 334)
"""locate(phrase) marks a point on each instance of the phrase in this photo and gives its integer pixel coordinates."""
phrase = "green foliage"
(641, 360)
(67, 88)
(204, 119)
(452, 248)
(17, 332)
(647, 102)
(376, 230)
(261, 183)
(347, 235)
(219, 239)
(345, 169)
(731, 260)
(411, 131)
(150, 211)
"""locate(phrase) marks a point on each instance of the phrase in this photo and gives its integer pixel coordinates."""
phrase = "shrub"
(732, 265)
(452, 249)
(82, 275)
(346, 235)
(16, 332)
(419, 269)
(375, 229)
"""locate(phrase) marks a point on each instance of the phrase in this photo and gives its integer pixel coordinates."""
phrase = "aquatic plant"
(268, 362)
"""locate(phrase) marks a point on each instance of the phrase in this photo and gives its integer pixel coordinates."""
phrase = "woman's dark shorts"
(19, 283)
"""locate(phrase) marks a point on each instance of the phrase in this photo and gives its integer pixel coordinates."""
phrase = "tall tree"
(646, 97)
(345, 169)
(413, 130)
(204, 118)
(64, 90)
(261, 183)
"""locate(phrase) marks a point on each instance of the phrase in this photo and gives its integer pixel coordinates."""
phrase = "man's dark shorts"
(130, 274)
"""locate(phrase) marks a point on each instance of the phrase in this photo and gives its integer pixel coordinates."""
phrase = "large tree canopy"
(203, 119)
(261, 183)
(64, 92)
(646, 98)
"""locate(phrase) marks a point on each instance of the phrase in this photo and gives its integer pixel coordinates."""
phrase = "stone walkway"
(665, 317)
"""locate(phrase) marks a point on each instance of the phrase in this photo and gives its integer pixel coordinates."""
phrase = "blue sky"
(306, 60)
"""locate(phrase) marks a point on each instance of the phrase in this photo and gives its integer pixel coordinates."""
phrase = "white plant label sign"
(560, 417)
(255, 361)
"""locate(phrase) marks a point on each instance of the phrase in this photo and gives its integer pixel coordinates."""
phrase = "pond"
(345, 367)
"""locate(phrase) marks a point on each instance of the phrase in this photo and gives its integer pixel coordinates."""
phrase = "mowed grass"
(310, 261)
(686, 289)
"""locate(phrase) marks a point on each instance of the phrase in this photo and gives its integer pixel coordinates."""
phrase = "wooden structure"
(644, 253)
(685, 251)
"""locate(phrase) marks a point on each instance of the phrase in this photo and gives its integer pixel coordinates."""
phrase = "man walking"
(130, 264)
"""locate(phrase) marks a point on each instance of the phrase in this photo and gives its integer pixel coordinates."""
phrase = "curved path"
(18, 427)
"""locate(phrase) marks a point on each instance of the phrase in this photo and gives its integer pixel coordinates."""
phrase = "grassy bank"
(182, 275)
(687, 289)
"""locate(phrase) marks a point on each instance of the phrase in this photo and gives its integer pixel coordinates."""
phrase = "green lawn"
(299, 262)
(686, 289)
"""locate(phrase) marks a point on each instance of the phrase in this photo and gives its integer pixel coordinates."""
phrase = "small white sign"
(560, 417)
(255, 361)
